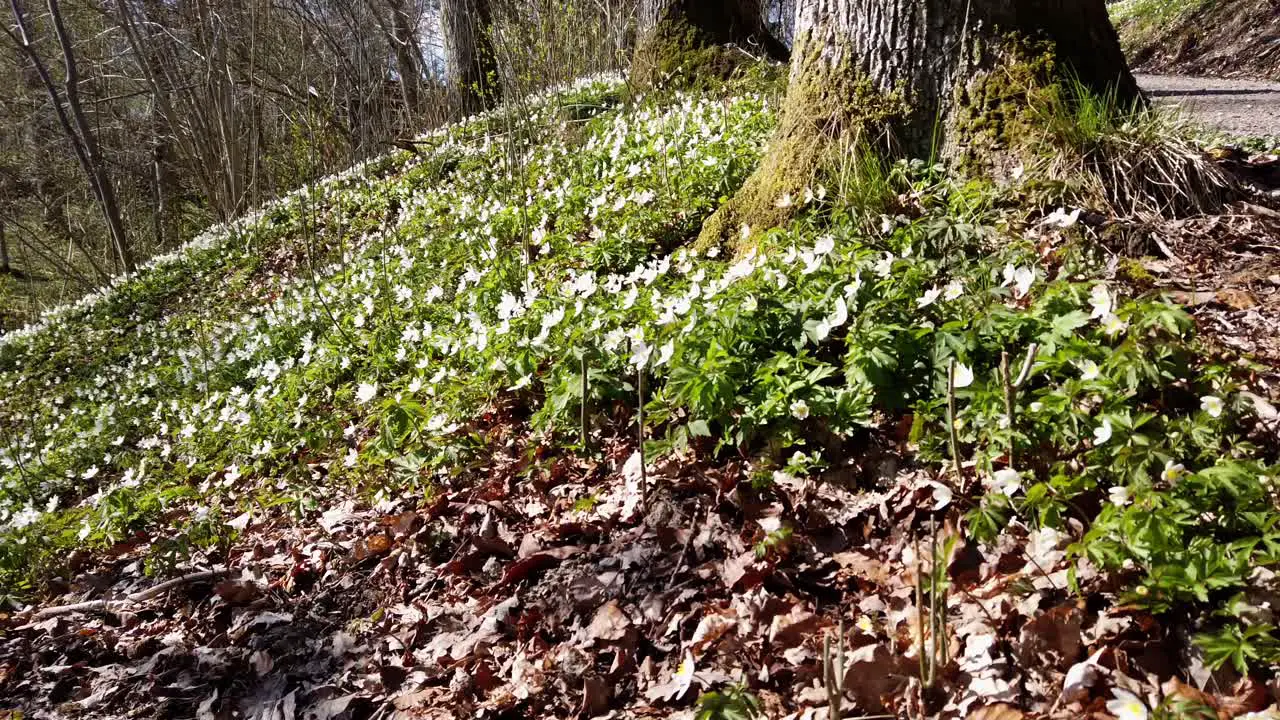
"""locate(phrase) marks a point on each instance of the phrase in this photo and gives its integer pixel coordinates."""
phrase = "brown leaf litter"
(503, 597)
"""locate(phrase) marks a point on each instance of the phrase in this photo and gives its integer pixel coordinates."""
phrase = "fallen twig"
(133, 598)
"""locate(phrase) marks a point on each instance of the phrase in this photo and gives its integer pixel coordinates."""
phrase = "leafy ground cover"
(387, 434)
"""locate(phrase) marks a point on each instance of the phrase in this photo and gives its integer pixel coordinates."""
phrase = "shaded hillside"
(1229, 38)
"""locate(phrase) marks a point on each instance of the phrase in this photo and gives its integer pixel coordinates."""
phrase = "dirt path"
(1239, 107)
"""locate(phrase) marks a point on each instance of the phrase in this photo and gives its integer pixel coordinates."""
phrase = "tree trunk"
(404, 38)
(106, 188)
(680, 40)
(469, 53)
(83, 141)
(5, 267)
(916, 77)
(935, 52)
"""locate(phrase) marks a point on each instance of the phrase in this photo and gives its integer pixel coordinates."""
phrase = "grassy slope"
(352, 337)
(1230, 38)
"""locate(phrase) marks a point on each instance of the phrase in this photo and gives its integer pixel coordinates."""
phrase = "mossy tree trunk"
(931, 51)
(680, 40)
(906, 75)
(469, 56)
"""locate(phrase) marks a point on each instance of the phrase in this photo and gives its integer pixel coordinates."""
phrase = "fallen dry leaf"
(997, 711)
(1236, 298)
(609, 624)
(237, 592)
(1176, 690)
(1052, 637)
(1248, 696)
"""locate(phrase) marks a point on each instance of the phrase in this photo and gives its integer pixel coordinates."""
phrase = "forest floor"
(383, 508)
(1232, 105)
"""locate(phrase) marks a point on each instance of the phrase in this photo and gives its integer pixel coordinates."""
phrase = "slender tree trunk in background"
(404, 41)
(915, 77)
(681, 39)
(106, 188)
(469, 53)
(5, 267)
(83, 141)
(159, 192)
(227, 114)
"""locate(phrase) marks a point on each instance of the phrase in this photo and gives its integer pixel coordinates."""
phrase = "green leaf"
(1065, 325)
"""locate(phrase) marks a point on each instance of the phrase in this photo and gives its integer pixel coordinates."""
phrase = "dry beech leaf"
(1052, 636)
(1237, 299)
(998, 711)
(595, 696)
(1248, 696)
(1175, 689)
(711, 628)
(793, 628)
(236, 592)
(610, 623)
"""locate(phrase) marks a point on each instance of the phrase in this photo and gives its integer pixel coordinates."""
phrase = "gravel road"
(1239, 107)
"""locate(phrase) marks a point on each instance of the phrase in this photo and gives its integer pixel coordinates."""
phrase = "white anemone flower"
(1007, 481)
(665, 352)
(884, 265)
(1126, 706)
(1061, 218)
(1211, 404)
(1023, 278)
(640, 352)
(941, 495)
(832, 321)
(929, 297)
(800, 409)
(1088, 370)
(1113, 325)
(1100, 300)
(1119, 495)
(366, 392)
(1102, 433)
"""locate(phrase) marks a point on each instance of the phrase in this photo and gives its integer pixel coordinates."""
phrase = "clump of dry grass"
(1138, 160)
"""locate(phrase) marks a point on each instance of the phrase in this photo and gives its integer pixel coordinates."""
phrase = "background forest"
(188, 113)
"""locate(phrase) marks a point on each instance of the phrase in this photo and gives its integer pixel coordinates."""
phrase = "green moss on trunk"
(993, 116)
(677, 54)
(827, 111)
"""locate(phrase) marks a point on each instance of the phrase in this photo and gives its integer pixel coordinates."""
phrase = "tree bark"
(681, 39)
(931, 51)
(469, 54)
(404, 39)
(106, 188)
(80, 135)
(5, 267)
(910, 76)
